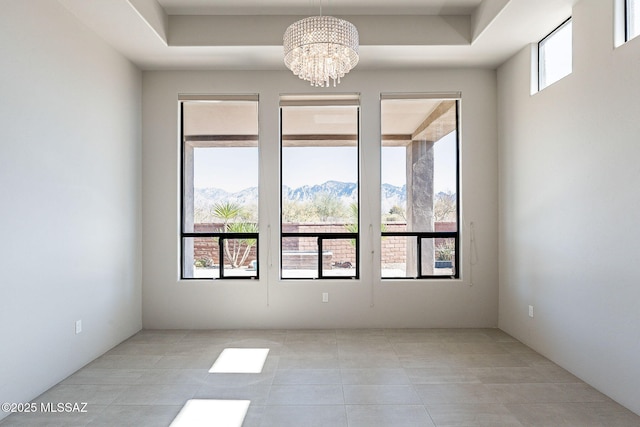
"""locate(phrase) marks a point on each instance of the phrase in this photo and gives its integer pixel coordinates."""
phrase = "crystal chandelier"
(321, 48)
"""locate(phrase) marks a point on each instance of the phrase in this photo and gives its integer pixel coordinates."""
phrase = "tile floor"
(333, 378)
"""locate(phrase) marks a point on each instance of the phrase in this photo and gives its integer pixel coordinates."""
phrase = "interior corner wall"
(70, 174)
(272, 303)
(569, 203)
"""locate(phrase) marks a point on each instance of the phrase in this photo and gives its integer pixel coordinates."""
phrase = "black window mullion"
(419, 255)
(457, 236)
(182, 238)
(322, 235)
(357, 240)
(320, 254)
(257, 276)
(225, 235)
(456, 257)
(357, 243)
(424, 235)
(221, 257)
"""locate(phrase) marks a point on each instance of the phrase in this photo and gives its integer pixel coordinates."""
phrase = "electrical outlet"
(530, 311)
(325, 297)
(78, 326)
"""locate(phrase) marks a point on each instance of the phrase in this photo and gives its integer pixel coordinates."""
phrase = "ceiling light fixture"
(321, 48)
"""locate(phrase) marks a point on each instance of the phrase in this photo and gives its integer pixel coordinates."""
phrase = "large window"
(419, 194)
(319, 197)
(555, 55)
(219, 229)
(632, 18)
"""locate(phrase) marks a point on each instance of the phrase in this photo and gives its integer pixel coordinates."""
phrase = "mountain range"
(345, 191)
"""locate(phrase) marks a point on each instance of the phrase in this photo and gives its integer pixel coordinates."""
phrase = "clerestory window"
(555, 55)
(632, 19)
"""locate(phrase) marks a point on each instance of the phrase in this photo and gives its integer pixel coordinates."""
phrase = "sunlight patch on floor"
(240, 361)
(212, 413)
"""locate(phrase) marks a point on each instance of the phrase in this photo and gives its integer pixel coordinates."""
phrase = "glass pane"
(438, 256)
(396, 251)
(300, 258)
(339, 257)
(319, 165)
(394, 185)
(419, 164)
(220, 164)
(240, 258)
(633, 18)
(445, 200)
(555, 55)
(225, 194)
(200, 258)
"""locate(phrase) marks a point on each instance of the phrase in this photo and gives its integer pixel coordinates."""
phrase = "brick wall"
(394, 249)
(342, 250)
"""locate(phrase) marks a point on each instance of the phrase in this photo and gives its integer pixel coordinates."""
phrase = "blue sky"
(394, 165)
(236, 168)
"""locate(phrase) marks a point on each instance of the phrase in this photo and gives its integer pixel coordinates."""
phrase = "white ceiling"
(247, 34)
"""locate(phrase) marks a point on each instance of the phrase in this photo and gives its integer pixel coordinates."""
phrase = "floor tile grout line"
(341, 367)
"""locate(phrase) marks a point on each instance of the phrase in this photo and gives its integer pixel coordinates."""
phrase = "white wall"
(271, 303)
(70, 181)
(569, 203)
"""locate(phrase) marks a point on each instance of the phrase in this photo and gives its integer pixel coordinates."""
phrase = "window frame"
(314, 100)
(627, 20)
(420, 236)
(539, 56)
(221, 236)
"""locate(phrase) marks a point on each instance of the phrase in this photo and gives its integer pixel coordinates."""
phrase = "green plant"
(236, 250)
(445, 251)
(328, 207)
(396, 213)
(203, 262)
(445, 206)
(227, 212)
(294, 211)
